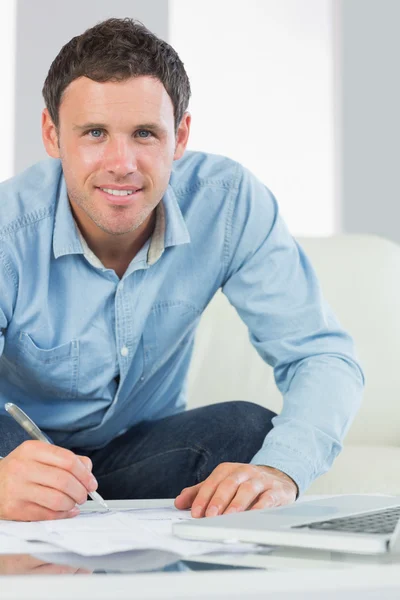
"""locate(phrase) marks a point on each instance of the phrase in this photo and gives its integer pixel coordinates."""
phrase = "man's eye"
(144, 134)
(96, 133)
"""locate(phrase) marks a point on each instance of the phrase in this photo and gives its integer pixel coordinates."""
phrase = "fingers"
(245, 496)
(277, 496)
(28, 511)
(216, 496)
(196, 496)
(87, 463)
(50, 498)
(63, 459)
(39, 481)
(186, 497)
(234, 487)
(261, 493)
(267, 500)
(208, 488)
(40, 513)
(60, 481)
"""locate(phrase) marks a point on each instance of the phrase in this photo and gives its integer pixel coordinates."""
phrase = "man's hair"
(115, 50)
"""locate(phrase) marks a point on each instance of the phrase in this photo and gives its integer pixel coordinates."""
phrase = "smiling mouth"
(114, 192)
(119, 197)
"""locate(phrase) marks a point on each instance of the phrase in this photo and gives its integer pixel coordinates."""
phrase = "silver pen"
(33, 430)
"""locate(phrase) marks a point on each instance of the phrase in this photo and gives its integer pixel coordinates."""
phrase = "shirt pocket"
(169, 328)
(50, 371)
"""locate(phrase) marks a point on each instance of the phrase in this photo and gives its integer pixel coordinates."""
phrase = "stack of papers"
(100, 533)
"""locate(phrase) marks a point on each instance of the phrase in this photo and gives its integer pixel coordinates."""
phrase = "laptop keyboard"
(382, 522)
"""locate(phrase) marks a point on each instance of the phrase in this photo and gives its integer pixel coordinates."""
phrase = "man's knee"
(11, 435)
(238, 430)
(247, 419)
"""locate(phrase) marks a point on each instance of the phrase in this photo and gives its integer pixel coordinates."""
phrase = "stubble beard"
(123, 228)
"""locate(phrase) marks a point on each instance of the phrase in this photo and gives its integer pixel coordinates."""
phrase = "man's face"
(117, 143)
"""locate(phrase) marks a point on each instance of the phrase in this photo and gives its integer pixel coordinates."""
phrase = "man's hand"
(39, 481)
(235, 487)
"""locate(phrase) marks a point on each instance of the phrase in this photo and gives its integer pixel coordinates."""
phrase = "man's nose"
(120, 158)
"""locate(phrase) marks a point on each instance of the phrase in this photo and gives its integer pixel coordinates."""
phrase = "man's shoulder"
(29, 196)
(202, 169)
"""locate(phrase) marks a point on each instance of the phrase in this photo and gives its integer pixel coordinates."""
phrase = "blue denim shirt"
(69, 327)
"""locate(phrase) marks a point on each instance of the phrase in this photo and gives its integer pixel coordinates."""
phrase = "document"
(13, 545)
(99, 533)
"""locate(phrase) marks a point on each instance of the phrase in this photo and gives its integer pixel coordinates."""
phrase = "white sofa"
(360, 277)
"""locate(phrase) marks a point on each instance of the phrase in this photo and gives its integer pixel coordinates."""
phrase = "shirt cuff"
(286, 459)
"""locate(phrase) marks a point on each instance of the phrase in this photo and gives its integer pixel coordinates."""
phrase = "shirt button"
(121, 286)
(124, 351)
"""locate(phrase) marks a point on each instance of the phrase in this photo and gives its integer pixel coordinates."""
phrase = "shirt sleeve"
(274, 289)
(9, 288)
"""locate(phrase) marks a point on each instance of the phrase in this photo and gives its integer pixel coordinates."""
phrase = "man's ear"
(50, 135)
(182, 135)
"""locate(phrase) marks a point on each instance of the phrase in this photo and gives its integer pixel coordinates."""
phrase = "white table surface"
(307, 573)
(381, 582)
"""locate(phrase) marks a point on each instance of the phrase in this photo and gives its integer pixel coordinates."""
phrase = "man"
(109, 253)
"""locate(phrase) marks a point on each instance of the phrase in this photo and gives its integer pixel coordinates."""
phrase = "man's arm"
(37, 480)
(272, 285)
(275, 290)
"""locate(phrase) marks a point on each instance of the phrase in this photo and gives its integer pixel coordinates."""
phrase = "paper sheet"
(13, 545)
(99, 533)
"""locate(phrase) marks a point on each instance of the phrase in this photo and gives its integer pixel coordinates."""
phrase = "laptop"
(362, 524)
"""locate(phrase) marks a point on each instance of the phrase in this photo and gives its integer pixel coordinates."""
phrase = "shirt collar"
(65, 234)
(176, 231)
(170, 228)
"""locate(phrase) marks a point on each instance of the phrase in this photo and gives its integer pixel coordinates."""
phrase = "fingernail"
(92, 484)
(74, 511)
(212, 511)
(197, 511)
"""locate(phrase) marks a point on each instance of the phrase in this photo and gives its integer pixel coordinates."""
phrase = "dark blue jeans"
(157, 459)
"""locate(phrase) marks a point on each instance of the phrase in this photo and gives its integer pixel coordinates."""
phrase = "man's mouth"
(123, 196)
(115, 192)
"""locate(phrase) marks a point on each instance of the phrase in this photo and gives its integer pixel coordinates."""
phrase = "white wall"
(370, 44)
(262, 75)
(7, 96)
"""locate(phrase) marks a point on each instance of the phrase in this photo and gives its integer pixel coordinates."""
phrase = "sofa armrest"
(362, 469)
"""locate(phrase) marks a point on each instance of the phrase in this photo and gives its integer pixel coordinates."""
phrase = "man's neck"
(116, 251)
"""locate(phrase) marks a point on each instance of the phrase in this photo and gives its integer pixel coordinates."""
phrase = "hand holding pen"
(41, 481)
